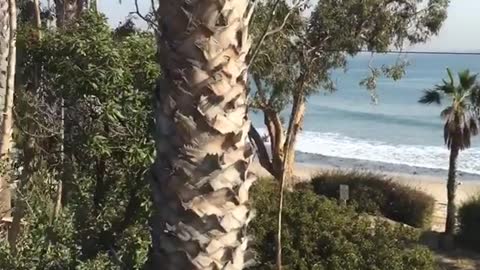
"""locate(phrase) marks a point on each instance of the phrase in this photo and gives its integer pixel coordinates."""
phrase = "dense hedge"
(376, 194)
(319, 234)
(469, 221)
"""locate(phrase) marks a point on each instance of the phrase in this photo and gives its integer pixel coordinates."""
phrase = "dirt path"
(455, 259)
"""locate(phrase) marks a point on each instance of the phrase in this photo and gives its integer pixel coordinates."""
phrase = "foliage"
(379, 195)
(461, 117)
(469, 222)
(320, 234)
(461, 124)
(105, 80)
(305, 42)
(314, 45)
(42, 243)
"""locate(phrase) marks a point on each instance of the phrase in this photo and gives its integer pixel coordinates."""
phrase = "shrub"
(103, 222)
(379, 195)
(320, 234)
(469, 223)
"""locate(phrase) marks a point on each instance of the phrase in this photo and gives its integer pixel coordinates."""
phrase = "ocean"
(396, 130)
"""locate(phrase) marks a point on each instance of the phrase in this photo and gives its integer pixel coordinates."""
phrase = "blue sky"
(461, 31)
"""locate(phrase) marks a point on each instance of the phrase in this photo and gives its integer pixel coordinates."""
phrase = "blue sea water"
(398, 129)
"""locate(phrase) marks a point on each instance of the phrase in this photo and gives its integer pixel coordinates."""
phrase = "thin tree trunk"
(5, 197)
(290, 169)
(38, 20)
(290, 157)
(279, 221)
(67, 10)
(278, 149)
(287, 173)
(8, 32)
(451, 192)
(294, 126)
(7, 125)
(6, 140)
(263, 156)
(200, 179)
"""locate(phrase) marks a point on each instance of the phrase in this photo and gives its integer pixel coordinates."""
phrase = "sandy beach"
(431, 181)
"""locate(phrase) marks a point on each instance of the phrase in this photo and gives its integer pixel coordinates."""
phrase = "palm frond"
(466, 141)
(431, 96)
(467, 81)
(473, 125)
(447, 135)
(446, 88)
(475, 96)
(459, 129)
(447, 112)
(450, 76)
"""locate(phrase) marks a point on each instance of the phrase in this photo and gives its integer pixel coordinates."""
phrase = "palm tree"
(200, 178)
(461, 125)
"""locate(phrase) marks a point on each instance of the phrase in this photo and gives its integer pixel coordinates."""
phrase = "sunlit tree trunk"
(451, 191)
(295, 126)
(200, 179)
(8, 26)
(38, 20)
(67, 10)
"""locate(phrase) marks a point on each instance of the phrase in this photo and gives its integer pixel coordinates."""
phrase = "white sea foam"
(336, 145)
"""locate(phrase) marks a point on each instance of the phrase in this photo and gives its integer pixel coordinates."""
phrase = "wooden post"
(344, 194)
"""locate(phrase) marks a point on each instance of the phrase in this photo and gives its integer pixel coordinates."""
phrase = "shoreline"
(318, 160)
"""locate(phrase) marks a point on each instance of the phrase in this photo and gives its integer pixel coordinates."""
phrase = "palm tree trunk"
(451, 191)
(200, 179)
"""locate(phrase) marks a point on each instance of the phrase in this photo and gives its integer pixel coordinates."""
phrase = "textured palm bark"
(200, 179)
(451, 191)
(5, 35)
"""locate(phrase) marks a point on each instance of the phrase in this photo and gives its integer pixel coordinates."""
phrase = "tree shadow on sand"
(451, 259)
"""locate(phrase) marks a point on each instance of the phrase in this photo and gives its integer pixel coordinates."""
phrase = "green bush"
(320, 234)
(469, 221)
(378, 195)
(103, 222)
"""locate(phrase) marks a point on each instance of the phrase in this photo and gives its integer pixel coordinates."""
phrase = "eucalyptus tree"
(301, 48)
(461, 124)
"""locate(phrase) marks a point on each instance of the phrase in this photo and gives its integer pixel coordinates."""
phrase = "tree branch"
(154, 10)
(296, 108)
(143, 17)
(263, 156)
(265, 32)
(260, 90)
(280, 28)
